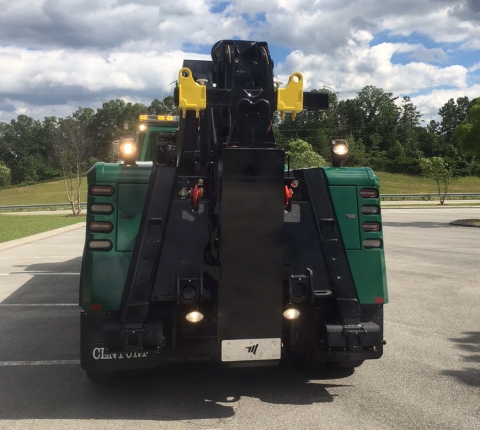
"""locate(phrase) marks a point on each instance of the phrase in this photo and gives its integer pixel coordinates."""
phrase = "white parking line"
(38, 363)
(11, 257)
(41, 273)
(45, 245)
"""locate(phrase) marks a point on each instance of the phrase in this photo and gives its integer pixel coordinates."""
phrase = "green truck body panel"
(219, 253)
(105, 273)
(360, 176)
(368, 270)
(346, 207)
(131, 198)
(367, 265)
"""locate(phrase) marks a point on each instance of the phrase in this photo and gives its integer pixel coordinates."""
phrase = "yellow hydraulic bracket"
(191, 96)
(290, 98)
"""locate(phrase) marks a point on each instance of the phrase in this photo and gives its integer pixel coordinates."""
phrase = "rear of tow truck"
(214, 251)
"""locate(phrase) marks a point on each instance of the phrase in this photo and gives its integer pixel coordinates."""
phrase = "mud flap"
(251, 255)
(95, 356)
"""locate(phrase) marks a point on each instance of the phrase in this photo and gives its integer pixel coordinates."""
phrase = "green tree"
(357, 155)
(436, 169)
(74, 148)
(4, 175)
(468, 133)
(113, 119)
(453, 114)
(302, 155)
(409, 122)
(316, 128)
(23, 147)
(373, 116)
(165, 107)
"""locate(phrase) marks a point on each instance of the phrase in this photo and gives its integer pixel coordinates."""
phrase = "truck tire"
(305, 354)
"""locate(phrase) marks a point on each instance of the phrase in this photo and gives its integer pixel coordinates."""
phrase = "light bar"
(368, 193)
(370, 210)
(101, 208)
(100, 245)
(169, 118)
(101, 226)
(372, 243)
(102, 190)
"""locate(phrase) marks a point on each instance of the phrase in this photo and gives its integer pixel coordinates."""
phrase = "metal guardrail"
(429, 196)
(421, 196)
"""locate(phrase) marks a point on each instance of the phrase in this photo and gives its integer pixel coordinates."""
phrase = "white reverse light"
(194, 317)
(291, 314)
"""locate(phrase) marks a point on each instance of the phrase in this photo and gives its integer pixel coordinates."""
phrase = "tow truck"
(202, 243)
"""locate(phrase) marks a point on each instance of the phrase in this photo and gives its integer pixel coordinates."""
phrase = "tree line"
(389, 134)
(382, 131)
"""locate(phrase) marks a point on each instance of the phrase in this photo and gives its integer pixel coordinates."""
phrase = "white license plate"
(251, 349)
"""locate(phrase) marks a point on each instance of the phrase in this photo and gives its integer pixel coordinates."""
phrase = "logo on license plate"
(251, 349)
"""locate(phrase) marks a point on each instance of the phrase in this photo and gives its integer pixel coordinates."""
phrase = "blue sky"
(56, 56)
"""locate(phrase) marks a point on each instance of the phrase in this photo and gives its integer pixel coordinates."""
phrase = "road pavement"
(429, 377)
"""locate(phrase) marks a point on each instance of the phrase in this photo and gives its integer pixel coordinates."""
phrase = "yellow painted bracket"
(290, 98)
(191, 95)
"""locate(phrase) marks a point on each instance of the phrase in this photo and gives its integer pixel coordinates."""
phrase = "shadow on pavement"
(181, 393)
(35, 390)
(470, 345)
(50, 283)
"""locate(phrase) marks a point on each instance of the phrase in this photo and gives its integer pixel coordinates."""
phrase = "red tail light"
(368, 193)
(101, 226)
(102, 190)
(371, 226)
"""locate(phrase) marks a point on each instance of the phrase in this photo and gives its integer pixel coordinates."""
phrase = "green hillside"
(391, 183)
(54, 192)
(44, 193)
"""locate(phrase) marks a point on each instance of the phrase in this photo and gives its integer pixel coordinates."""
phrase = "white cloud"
(358, 65)
(429, 104)
(475, 67)
(31, 79)
(56, 55)
(27, 69)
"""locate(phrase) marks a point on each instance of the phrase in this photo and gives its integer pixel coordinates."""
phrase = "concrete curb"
(39, 236)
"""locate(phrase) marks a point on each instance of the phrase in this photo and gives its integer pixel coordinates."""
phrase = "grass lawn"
(391, 183)
(54, 192)
(14, 227)
(17, 226)
(45, 193)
